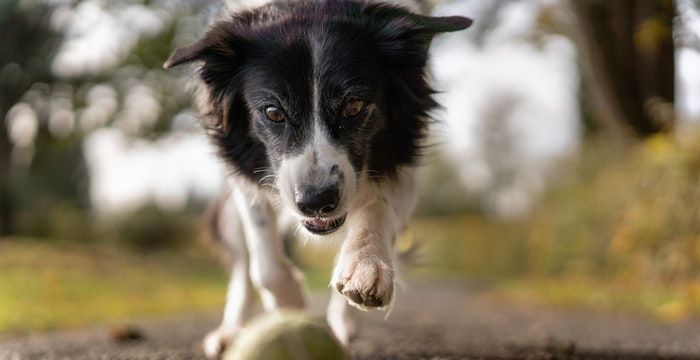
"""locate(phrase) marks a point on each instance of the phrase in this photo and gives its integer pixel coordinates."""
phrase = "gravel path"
(445, 320)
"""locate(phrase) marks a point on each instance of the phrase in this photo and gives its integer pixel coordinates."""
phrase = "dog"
(320, 111)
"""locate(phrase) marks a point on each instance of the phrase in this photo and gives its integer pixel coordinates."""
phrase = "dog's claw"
(373, 301)
(355, 296)
(367, 300)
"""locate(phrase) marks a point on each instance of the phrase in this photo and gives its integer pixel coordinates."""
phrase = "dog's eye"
(275, 114)
(352, 108)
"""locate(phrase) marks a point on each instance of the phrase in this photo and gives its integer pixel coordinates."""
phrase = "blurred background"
(565, 171)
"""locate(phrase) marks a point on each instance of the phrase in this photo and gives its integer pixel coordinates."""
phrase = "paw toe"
(373, 301)
(355, 296)
(364, 299)
(367, 283)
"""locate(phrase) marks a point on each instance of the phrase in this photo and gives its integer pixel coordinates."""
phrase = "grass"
(47, 286)
(662, 302)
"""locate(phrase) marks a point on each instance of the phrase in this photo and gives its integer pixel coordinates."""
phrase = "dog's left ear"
(185, 54)
(434, 25)
(217, 43)
(409, 33)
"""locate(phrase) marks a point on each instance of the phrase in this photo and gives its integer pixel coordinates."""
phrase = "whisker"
(263, 169)
(273, 187)
(277, 202)
(371, 174)
(264, 178)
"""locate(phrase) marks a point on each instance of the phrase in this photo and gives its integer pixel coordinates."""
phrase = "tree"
(28, 46)
(121, 85)
(629, 63)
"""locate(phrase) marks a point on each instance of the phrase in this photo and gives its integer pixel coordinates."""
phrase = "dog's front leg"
(249, 231)
(364, 272)
(271, 272)
(240, 297)
(341, 318)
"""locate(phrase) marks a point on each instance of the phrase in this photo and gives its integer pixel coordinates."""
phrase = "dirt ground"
(436, 320)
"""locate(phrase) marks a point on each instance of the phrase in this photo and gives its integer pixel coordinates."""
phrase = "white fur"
(341, 318)
(249, 229)
(365, 261)
(239, 298)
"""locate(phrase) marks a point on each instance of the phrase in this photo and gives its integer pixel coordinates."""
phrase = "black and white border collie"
(319, 109)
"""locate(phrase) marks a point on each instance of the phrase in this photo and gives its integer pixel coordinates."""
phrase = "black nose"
(317, 202)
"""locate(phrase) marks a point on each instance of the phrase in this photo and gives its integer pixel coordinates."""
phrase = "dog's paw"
(217, 341)
(366, 281)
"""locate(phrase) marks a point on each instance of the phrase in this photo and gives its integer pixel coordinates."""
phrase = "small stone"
(125, 333)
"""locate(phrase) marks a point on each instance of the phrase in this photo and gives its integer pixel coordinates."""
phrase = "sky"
(541, 82)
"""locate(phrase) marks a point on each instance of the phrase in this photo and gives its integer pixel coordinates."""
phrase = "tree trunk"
(6, 201)
(25, 59)
(629, 47)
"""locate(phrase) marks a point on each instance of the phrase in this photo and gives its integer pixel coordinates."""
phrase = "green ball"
(285, 336)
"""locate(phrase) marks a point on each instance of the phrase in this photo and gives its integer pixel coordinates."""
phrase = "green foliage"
(471, 245)
(54, 221)
(41, 179)
(633, 213)
(442, 191)
(28, 46)
(52, 195)
(151, 229)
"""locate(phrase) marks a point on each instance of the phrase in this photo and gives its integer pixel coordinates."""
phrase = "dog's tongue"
(319, 223)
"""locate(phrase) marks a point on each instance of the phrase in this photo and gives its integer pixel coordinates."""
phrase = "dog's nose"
(317, 202)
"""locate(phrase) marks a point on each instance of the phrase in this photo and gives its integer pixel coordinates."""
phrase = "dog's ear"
(405, 33)
(216, 42)
(185, 54)
(399, 20)
(441, 24)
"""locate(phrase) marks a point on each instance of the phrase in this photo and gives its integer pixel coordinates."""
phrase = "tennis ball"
(285, 336)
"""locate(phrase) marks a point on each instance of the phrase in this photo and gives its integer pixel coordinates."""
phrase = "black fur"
(275, 54)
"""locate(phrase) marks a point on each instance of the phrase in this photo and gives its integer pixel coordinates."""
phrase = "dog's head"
(316, 98)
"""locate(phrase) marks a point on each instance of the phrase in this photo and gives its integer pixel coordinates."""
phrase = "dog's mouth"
(324, 226)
